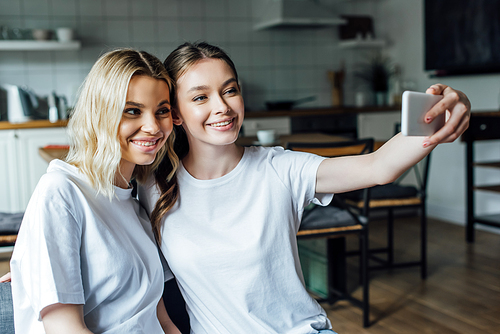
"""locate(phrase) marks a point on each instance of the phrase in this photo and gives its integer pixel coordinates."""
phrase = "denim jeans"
(326, 331)
(6, 309)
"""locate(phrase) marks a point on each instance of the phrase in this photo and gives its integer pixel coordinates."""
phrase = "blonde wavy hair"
(94, 122)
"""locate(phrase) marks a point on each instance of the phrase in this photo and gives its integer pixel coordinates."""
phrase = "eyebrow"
(140, 105)
(204, 87)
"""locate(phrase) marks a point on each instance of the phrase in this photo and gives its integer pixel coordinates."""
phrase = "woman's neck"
(213, 161)
(124, 174)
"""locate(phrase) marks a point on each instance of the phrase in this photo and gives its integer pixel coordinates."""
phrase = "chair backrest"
(338, 149)
(9, 226)
(6, 309)
(335, 149)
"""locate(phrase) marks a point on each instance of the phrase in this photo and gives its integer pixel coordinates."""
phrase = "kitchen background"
(273, 64)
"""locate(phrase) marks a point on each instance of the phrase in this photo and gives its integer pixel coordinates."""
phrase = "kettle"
(17, 103)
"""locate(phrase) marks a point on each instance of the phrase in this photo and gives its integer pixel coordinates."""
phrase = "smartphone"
(414, 107)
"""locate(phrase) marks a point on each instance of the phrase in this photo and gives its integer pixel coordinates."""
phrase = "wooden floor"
(461, 294)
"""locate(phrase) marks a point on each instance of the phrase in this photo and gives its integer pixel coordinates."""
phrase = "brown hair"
(188, 54)
(177, 63)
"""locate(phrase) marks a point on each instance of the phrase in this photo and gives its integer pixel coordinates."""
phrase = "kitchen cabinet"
(378, 125)
(22, 166)
(9, 196)
(482, 126)
(282, 125)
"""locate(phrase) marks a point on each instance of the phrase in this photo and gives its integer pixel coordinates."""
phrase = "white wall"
(276, 64)
(273, 65)
(401, 22)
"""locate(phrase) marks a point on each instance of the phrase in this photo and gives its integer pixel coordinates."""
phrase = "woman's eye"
(163, 111)
(199, 98)
(231, 90)
(132, 111)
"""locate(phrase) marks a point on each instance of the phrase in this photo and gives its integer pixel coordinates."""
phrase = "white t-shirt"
(231, 244)
(76, 247)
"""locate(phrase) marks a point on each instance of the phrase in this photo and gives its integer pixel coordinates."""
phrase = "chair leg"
(365, 277)
(360, 247)
(337, 272)
(390, 237)
(423, 243)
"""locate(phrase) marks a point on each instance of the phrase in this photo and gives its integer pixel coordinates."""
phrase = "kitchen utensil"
(53, 112)
(65, 34)
(287, 105)
(62, 106)
(266, 137)
(41, 34)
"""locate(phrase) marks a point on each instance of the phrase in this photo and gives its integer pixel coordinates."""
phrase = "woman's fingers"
(457, 105)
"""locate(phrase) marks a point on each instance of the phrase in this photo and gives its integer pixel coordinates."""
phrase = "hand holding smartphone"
(414, 107)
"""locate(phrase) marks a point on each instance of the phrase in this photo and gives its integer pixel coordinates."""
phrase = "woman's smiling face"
(209, 103)
(146, 122)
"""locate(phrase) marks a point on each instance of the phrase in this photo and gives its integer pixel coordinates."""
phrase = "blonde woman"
(85, 260)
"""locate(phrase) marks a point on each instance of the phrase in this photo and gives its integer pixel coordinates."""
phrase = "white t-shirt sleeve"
(298, 171)
(50, 264)
(167, 273)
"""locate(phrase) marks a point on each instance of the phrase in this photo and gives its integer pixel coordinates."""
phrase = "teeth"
(221, 123)
(145, 143)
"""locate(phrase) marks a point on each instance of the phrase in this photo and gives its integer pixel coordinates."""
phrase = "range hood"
(294, 14)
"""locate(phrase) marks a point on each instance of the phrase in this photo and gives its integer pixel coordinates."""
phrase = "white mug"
(266, 137)
(65, 34)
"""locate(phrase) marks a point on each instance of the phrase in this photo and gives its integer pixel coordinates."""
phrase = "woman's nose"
(220, 107)
(151, 124)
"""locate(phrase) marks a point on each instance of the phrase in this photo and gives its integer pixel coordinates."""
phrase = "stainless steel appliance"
(17, 104)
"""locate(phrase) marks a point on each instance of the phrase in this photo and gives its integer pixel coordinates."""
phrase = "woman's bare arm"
(338, 175)
(165, 321)
(63, 319)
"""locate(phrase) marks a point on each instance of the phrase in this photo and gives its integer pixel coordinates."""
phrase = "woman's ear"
(176, 118)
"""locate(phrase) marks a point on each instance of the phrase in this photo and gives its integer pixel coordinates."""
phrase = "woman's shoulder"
(61, 178)
(275, 153)
(263, 151)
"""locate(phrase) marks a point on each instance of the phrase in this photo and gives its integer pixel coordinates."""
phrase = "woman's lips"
(146, 145)
(222, 125)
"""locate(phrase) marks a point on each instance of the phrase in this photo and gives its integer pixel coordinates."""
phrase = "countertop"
(32, 125)
(253, 114)
(318, 111)
(298, 112)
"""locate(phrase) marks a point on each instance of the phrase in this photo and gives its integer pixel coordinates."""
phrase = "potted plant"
(376, 73)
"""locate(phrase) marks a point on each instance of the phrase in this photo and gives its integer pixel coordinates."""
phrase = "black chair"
(391, 197)
(334, 223)
(9, 226)
(6, 309)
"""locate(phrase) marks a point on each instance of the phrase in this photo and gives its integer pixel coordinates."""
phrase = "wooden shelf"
(493, 188)
(33, 124)
(492, 220)
(39, 45)
(363, 43)
(491, 164)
